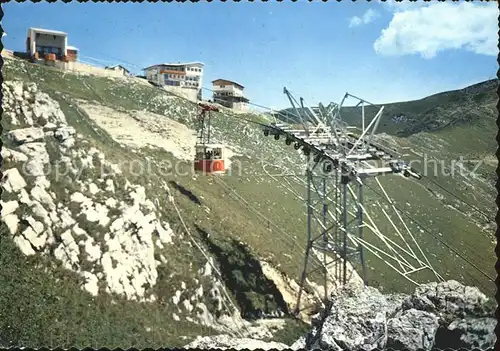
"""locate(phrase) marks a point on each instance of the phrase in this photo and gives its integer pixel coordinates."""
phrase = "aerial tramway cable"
(436, 237)
(198, 246)
(408, 216)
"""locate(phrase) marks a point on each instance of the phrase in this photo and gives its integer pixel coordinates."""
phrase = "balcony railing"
(169, 71)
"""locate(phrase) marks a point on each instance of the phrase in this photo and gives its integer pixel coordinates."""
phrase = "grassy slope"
(428, 114)
(229, 218)
(51, 310)
(117, 95)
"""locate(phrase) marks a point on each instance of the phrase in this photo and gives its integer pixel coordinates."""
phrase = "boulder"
(26, 135)
(432, 317)
(448, 300)
(12, 181)
(64, 132)
(24, 245)
(357, 320)
(228, 342)
(469, 333)
(8, 207)
(413, 330)
(12, 222)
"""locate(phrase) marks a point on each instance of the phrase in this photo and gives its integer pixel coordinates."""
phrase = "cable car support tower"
(338, 164)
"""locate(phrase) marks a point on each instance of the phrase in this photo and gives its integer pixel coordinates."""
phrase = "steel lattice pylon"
(334, 215)
(328, 223)
(336, 171)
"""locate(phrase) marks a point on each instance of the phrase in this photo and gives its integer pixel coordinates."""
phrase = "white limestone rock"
(91, 283)
(13, 155)
(26, 135)
(41, 195)
(12, 181)
(24, 245)
(93, 251)
(165, 235)
(67, 251)
(9, 207)
(78, 197)
(93, 189)
(38, 241)
(50, 127)
(64, 132)
(110, 186)
(187, 305)
(12, 222)
(37, 226)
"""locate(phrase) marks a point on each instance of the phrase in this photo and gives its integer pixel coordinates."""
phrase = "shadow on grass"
(185, 192)
(255, 295)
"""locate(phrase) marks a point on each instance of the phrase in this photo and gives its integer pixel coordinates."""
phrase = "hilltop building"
(181, 78)
(49, 45)
(118, 68)
(71, 53)
(229, 94)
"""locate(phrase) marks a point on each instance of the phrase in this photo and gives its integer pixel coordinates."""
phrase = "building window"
(48, 50)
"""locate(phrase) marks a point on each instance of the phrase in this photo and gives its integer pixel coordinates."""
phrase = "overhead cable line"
(435, 236)
(245, 202)
(198, 246)
(487, 217)
(408, 216)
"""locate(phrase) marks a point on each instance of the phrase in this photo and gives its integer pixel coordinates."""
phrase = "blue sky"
(380, 52)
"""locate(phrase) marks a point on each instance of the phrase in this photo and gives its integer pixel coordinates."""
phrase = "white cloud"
(369, 16)
(398, 6)
(441, 26)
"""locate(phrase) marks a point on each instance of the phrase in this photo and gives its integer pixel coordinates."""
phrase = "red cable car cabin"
(209, 159)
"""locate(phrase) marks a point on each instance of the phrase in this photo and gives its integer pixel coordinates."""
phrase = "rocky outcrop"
(26, 135)
(365, 319)
(412, 330)
(13, 181)
(118, 254)
(227, 342)
(441, 315)
(448, 300)
(357, 320)
(66, 200)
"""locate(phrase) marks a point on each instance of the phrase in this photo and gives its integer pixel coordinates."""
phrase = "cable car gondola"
(209, 157)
